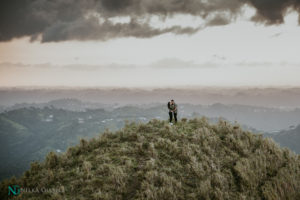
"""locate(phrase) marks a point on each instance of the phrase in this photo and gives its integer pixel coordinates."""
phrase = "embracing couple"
(172, 106)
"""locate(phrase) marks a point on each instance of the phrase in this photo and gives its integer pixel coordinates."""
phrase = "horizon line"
(154, 87)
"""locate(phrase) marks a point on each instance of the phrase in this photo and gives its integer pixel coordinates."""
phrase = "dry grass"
(192, 160)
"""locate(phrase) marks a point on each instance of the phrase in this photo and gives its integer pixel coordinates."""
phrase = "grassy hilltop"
(192, 160)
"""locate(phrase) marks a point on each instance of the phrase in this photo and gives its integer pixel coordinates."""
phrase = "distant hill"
(262, 97)
(288, 138)
(190, 160)
(263, 119)
(28, 133)
(66, 104)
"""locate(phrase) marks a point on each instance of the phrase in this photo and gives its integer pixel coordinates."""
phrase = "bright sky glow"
(239, 54)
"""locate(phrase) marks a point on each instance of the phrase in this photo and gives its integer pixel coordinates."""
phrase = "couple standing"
(172, 106)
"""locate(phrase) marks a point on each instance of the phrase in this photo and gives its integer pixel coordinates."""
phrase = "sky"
(149, 43)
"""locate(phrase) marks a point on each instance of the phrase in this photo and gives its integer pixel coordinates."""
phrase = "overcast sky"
(136, 43)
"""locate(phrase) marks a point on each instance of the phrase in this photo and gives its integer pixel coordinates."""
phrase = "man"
(172, 106)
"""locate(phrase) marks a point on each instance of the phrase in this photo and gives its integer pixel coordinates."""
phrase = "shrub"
(190, 160)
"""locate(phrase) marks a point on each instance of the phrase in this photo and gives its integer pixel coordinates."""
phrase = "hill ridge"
(190, 160)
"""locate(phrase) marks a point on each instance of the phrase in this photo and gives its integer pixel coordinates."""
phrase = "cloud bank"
(62, 20)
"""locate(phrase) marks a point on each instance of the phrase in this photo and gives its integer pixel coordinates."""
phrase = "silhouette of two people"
(172, 106)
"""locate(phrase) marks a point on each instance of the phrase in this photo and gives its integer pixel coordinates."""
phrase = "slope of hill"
(28, 134)
(192, 160)
(288, 138)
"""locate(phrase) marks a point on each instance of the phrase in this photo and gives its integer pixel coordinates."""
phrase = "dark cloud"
(60, 20)
(90, 29)
(273, 11)
(219, 20)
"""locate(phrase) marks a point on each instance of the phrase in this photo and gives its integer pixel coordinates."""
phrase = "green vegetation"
(28, 134)
(192, 160)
